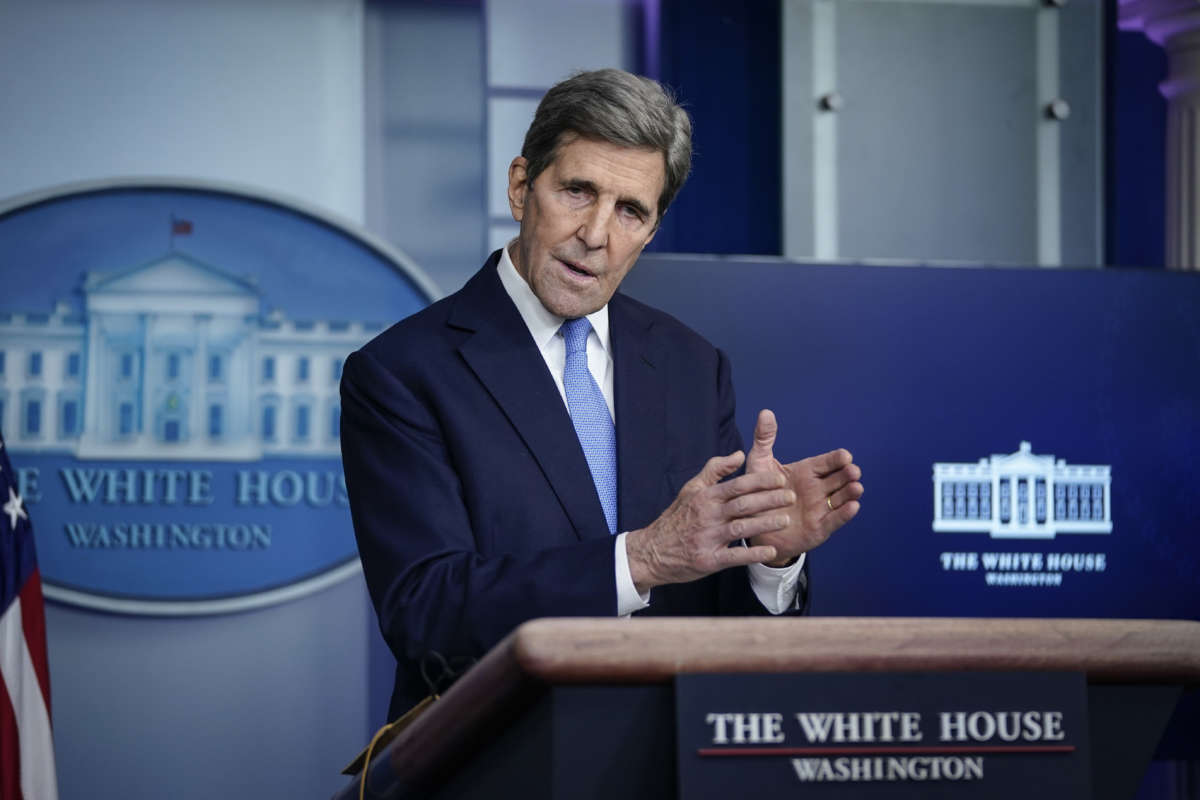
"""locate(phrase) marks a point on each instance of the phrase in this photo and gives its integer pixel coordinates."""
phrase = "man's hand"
(826, 488)
(691, 538)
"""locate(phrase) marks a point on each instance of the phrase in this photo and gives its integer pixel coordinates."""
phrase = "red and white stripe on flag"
(26, 744)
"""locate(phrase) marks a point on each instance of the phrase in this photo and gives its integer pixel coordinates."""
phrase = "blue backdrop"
(912, 366)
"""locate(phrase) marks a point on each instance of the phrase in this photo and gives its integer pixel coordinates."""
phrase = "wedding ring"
(829, 502)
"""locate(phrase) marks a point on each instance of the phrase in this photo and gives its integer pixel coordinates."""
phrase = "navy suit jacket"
(472, 501)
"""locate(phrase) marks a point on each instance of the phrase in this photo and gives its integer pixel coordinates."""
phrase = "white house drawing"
(1022, 496)
(173, 359)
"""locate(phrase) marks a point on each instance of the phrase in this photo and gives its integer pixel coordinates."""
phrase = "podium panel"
(587, 707)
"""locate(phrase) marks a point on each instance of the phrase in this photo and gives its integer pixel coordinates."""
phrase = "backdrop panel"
(921, 370)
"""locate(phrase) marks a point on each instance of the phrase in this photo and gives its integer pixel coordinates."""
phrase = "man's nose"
(593, 231)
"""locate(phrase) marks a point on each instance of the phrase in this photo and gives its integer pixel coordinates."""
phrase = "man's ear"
(518, 187)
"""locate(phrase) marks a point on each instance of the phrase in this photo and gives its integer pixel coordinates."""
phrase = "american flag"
(26, 746)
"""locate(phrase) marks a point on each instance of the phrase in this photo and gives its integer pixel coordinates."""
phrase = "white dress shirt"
(775, 588)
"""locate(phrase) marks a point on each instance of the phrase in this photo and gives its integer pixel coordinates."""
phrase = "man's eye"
(631, 213)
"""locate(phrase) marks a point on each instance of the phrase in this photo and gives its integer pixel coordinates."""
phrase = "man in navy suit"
(536, 444)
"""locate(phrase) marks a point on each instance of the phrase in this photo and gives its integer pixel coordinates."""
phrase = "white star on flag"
(13, 508)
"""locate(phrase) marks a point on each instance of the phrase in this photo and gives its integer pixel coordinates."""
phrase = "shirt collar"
(541, 321)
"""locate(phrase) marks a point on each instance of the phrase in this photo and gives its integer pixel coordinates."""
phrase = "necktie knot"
(575, 333)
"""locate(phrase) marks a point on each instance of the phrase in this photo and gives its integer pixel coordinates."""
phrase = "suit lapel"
(641, 413)
(504, 357)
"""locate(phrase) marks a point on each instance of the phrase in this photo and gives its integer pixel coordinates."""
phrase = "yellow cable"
(402, 722)
(362, 784)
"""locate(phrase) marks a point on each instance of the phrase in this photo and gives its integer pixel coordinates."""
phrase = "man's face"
(584, 221)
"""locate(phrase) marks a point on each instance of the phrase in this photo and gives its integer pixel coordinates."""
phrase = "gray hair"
(617, 107)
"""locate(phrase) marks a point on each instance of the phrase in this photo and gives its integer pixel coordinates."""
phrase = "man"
(486, 476)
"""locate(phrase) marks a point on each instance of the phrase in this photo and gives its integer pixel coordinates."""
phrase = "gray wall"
(266, 94)
(941, 147)
(268, 703)
(425, 130)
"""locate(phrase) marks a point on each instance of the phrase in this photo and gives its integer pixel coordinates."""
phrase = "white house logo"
(173, 412)
(1022, 496)
(172, 360)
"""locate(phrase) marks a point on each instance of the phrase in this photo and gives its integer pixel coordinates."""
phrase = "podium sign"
(909, 735)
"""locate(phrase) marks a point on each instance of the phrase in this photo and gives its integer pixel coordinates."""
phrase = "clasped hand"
(780, 510)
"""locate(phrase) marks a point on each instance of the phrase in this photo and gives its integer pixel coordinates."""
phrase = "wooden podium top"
(654, 650)
(631, 651)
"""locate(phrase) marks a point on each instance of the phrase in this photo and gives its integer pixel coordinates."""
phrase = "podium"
(580, 708)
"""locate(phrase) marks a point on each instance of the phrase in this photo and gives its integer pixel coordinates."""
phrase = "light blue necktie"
(589, 413)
